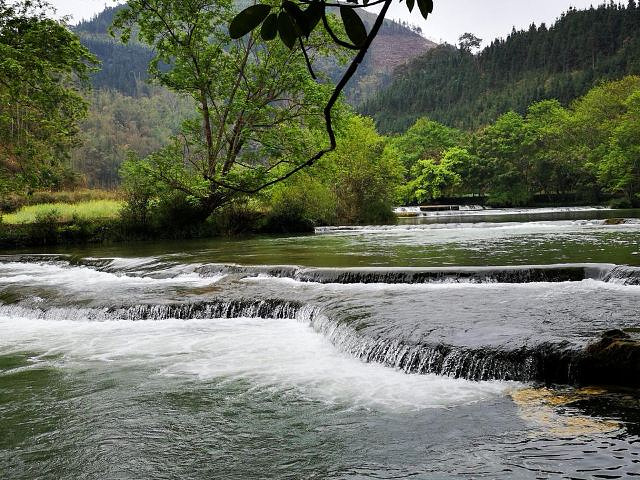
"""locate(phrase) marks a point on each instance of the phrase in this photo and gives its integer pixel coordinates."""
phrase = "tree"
(555, 166)
(620, 168)
(356, 183)
(431, 181)
(259, 111)
(506, 145)
(469, 42)
(593, 122)
(366, 175)
(293, 25)
(425, 139)
(43, 69)
(474, 176)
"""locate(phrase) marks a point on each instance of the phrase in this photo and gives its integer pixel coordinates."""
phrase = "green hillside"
(455, 87)
(124, 67)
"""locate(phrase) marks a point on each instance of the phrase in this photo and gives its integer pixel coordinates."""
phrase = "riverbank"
(47, 231)
(61, 225)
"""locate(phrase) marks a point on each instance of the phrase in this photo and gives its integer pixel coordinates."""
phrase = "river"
(449, 346)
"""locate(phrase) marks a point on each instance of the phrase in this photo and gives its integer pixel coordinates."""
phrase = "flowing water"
(442, 347)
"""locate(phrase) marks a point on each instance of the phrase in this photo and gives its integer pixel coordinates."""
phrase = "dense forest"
(463, 90)
(536, 118)
(123, 67)
(118, 125)
(586, 153)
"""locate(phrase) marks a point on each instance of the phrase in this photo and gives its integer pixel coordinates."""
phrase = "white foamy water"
(275, 354)
(551, 226)
(80, 278)
(477, 210)
(586, 286)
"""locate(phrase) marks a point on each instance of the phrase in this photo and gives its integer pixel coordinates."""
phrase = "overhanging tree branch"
(337, 91)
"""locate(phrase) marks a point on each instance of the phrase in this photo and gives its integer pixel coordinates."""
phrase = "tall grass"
(13, 202)
(65, 212)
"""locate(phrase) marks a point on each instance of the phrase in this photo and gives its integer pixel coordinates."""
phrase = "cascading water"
(224, 361)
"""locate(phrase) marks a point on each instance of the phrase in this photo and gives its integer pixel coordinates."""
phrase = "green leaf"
(410, 4)
(270, 27)
(426, 7)
(314, 13)
(298, 17)
(248, 19)
(287, 29)
(353, 25)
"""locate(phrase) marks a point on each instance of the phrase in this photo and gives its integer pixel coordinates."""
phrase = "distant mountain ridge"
(583, 48)
(124, 67)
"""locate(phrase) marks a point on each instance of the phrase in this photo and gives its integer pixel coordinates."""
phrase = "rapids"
(424, 350)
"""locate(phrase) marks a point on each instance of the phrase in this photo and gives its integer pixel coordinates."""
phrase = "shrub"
(240, 217)
(177, 211)
(620, 203)
(299, 205)
(45, 227)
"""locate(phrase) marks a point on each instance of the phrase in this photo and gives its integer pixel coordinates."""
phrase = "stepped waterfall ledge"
(352, 336)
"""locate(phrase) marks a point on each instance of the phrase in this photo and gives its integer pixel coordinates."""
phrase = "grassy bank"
(65, 212)
(109, 221)
(10, 203)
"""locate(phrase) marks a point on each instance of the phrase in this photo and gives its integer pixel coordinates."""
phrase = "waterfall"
(539, 363)
(623, 275)
(519, 274)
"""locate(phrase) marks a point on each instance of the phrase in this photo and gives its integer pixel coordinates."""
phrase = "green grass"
(65, 212)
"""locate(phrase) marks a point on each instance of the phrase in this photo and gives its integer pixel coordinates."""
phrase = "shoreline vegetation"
(585, 154)
(261, 163)
(100, 216)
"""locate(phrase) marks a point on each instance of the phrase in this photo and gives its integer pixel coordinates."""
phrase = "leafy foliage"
(259, 110)
(298, 19)
(425, 139)
(43, 68)
(574, 154)
(357, 183)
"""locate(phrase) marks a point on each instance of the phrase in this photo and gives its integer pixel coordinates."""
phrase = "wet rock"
(613, 360)
(615, 221)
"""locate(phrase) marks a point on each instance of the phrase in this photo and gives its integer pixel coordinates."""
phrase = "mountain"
(395, 45)
(124, 67)
(455, 87)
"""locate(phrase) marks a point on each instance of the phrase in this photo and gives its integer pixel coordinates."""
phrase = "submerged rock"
(546, 408)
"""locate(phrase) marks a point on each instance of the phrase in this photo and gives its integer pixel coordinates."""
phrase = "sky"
(487, 19)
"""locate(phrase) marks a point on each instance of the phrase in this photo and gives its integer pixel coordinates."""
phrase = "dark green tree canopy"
(469, 42)
(296, 20)
(562, 61)
(43, 68)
